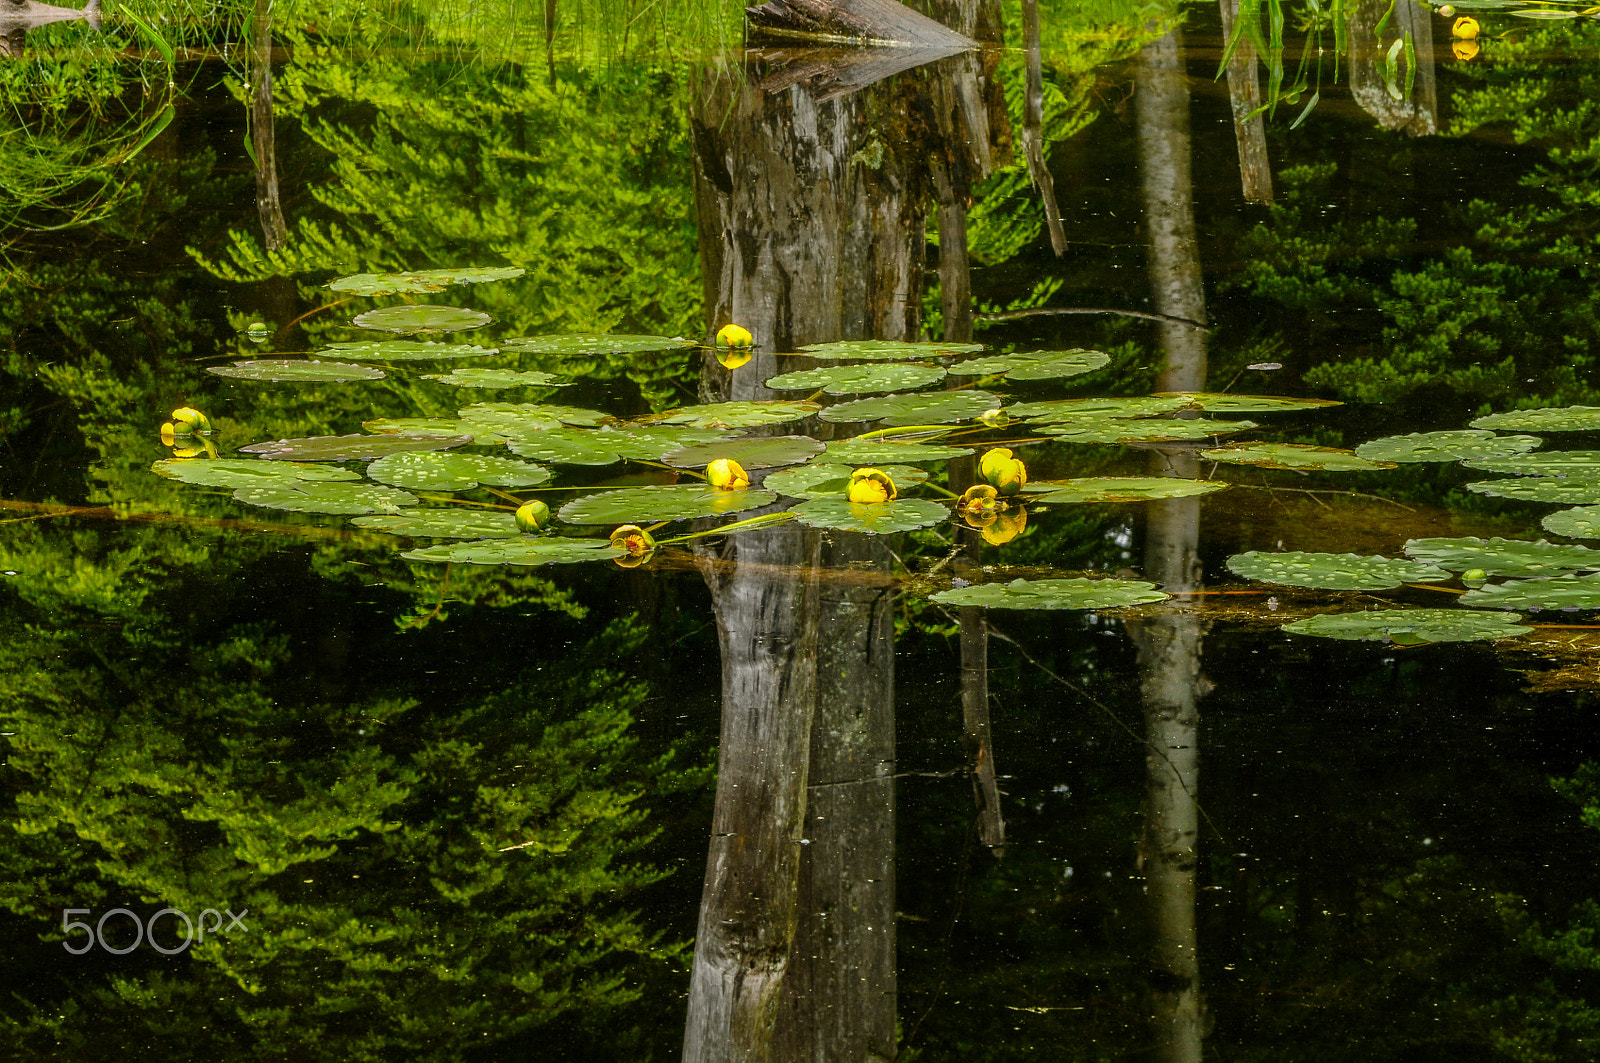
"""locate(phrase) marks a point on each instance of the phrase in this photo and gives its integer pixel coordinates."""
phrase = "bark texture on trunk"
(1249, 128)
(1033, 128)
(881, 22)
(1417, 113)
(262, 141)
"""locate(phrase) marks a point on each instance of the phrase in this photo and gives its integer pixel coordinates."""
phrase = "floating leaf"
(519, 418)
(298, 370)
(1504, 557)
(1567, 490)
(444, 524)
(481, 434)
(752, 452)
(1555, 592)
(1409, 627)
(860, 379)
(498, 378)
(1332, 572)
(1580, 523)
(1579, 463)
(422, 318)
(878, 518)
(603, 446)
(1035, 365)
(1216, 402)
(939, 407)
(650, 505)
(884, 452)
(589, 343)
(304, 497)
(427, 280)
(1548, 419)
(826, 481)
(404, 351)
(1464, 445)
(525, 550)
(1055, 594)
(887, 350)
(245, 472)
(1117, 489)
(1142, 430)
(344, 448)
(454, 472)
(1069, 409)
(735, 414)
(1294, 456)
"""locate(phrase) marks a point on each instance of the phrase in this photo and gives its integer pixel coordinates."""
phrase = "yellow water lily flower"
(978, 499)
(1007, 526)
(1466, 27)
(636, 541)
(869, 487)
(533, 516)
(733, 357)
(1466, 51)
(187, 420)
(168, 434)
(1001, 469)
(734, 336)
(725, 474)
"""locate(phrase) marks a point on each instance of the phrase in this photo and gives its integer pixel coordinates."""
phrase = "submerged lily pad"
(1553, 592)
(1567, 490)
(860, 379)
(1504, 557)
(345, 448)
(454, 472)
(525, 550)
(245, 472)
(1055, 594)
(883, 452)
(297, 370)
(426, 280)
(650, 505)
(1548, 419)
(1117, 489)
(304, 497)
(878, 518)
(1410, 627)
(511, 419)
(1465, 445)
(603, 446)
(887, 350)
(1332, 572)
(735, 414)
(1580, 523)
(422, 318)
(1142, 430)
(827, 481)
(444, 524)
(1069, 409)
(1219, 402)
(939, 407)
(404, 351)
(498, 378)
(752, 452)
(589, 343)
(1294, 456)
(1035, 365)
(1581, 463)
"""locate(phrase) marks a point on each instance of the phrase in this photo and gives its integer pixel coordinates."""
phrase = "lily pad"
(427, 280)
(1580, 523)
(511, 419)
(1332, 572)
(245, 472)
(859, 379)
(650, 505)
(830, 481)
(752, 452)
(1068, 409)
(1409, 627)
(525, 550)
(498, 378)
(1035, 365)
(1548, 419)
(298, 370)
(1294, 456)
(1217, 402)
(1142, 430)
(1504, 557)
(345, 448)
(1117, 489)
(879, 518)
(404, 351)
(883, 452)
(303, 497)
(481, 434)
(735, 414)
(421, 318)
(887, 350)
(454, 472)
(1581, 463)
(939, 407)
(1465, 445)
(589, 343)
(1554, 592)
(603, 446)
(444, 524)
(1055, 594)
(1567, 490)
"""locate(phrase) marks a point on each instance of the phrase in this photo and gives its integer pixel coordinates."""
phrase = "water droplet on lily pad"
(244, 472)
(421, 318)
(432, 471)
(1410, 627)
(1071, 409)
(938, 407)
(1580, 523)
(425, 280)
(1580, 463)
(885, 452)
(296, 370)
(592, 343)
(404, 351)
(1141, 430)
(1464, 445)
(886, 350)
(523, 550)
(345, 448)
(1117, 489)
(752, 452)
(1332, 572)
(651, 505)
(603, 446)
(1035, 365)
(302, 496)
(878, 518)
(1055, 594)
(1551, 592)
(420, 523)
(511, 419)
(1294, 456)
(1504, 557)
(1548, 419)
(498, 378)
(734, 414)
(1219, 402)
(859, 379)
(1566, 490)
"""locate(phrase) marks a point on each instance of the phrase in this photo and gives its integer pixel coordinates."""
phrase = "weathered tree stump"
(884, 23)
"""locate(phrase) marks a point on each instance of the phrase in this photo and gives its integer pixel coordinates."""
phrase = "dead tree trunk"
(262, 142)
(1249, 129)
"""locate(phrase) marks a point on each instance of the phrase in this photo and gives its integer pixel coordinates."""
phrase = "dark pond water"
(312, 752)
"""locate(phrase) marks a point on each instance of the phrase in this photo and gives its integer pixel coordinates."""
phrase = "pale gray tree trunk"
(1417, 113)
(1249, 128)
(262, 140)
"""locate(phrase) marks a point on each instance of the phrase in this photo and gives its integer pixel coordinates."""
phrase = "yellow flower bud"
(186, 420)
(168, 434)
(979, 498)
(869, 487)
(725, 474)
(1006, 473)
(995, 418)
(1466, 27)
(1007, 526)
(636, 541)
(533, 516)
(734, 336)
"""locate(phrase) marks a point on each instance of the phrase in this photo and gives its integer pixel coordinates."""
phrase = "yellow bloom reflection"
(636, 541)
(1464, 50)
(1007, 525)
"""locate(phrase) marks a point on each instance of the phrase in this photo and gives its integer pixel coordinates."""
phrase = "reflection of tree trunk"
(975, 720)
(1383, 97)
(1244, 93)
(1033, 127)
(261, 131)
(1174, 257)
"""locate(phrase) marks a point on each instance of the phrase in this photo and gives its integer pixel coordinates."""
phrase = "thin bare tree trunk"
(262, 140)
(1249, 129)
(977, 736)
(1415, 113)
(1033, 127)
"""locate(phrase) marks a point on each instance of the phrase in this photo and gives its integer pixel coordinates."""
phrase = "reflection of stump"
(883, 22)
(1417, 114)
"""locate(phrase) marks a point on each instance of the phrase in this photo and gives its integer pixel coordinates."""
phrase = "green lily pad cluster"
(1055, 594)
(1332, 572)
(1410, 627)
